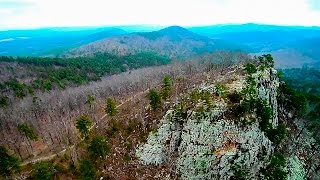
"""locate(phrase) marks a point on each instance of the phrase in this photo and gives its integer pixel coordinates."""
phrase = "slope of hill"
(268, 38)
(226, 122)
(174, 42)
(50, 41)
(308, 47)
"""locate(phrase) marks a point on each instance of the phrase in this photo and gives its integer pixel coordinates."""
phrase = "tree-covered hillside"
(306, 81)
(175, 42)
(25, 75)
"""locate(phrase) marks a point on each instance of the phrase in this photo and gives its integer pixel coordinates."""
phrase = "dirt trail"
(45, 158)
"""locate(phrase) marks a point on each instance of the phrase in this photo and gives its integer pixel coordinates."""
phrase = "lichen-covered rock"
(237, 85)
(209, 144)
(267, 86)
(305, 153)
(209, 150)
(153, 152)
(296, 169)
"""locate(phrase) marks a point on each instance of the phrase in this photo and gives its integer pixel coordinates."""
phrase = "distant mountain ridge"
(174, 42)
(44, 42)
(289, 44)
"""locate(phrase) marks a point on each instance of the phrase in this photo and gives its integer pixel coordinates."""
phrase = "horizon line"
(150, 25)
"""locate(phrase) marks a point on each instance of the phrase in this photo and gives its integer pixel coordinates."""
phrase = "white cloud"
(163, 12)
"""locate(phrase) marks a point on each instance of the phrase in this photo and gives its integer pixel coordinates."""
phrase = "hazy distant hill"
(213, 31)
(308, 47)
(51, 41)
(175, 42)
(259, 37)
(291, 45)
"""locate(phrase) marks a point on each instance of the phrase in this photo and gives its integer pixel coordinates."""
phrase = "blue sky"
(48, 13)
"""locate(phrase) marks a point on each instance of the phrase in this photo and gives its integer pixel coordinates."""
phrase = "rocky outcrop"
(267, 86)
(209, 140)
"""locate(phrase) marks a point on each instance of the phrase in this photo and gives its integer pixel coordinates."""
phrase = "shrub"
(72, 167)
(264, 111)
(195, 96)
(180, 112)
(27, 131)
(279, 134)
(166, 87)
(220, 89)
(235, 97)
(206, 97)
(126, 158)
(111, 107)
(246, 106)
(250, 68)
(90, 100)
(266, 60)
(114, 127)
(83, 124)
(44, 171)
(275, 170)
(87, 171)
(251, 86)
(155, 99)
(98, 148)
(3, 101)
(239, 172)
(9, 164)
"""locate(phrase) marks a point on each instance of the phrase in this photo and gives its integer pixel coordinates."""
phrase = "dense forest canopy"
(306, 82)
(25, 75)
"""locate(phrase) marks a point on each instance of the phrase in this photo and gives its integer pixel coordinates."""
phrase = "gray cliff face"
(209, 142)
(268, 84)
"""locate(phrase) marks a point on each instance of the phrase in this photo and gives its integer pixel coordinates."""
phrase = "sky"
(17, 14)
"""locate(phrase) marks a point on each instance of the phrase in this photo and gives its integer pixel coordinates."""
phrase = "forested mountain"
(174, 42)
(291, 45)
(51, 41)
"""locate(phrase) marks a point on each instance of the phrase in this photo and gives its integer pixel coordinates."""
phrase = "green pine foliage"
(275, 169)
(155, 99)
(301, 95)
(45, 171)
(239, 172)
(98, 148)
(83, 124)
(8, 163)
(166, 88)
(292, 100)
(264, 111)
(220, 89)
(250, 68)
(278, 134)
(87, 171)
(266, 60)
(111, 107)
(27, 131)
(180, 112)
(114, 128)
(51, 73)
